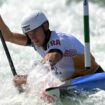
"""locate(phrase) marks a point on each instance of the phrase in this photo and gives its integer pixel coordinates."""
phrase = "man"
(62, 51)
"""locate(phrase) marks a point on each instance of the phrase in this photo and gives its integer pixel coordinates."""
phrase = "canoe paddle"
(19, 88)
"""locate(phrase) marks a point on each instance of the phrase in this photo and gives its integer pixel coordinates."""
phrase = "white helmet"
(33, 21)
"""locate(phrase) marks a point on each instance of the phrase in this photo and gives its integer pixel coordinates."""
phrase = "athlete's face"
(37, 36)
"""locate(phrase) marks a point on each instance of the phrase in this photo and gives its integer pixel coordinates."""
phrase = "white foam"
(62, 18)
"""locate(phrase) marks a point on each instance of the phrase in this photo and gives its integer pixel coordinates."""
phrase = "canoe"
(92, 81)
(89, 81)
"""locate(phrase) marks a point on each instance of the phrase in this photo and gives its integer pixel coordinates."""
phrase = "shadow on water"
(99, 2)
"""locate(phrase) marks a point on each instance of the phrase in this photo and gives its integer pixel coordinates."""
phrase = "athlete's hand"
(46, 97)
(20, 79)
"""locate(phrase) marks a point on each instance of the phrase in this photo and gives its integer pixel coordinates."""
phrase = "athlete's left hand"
(46, 97)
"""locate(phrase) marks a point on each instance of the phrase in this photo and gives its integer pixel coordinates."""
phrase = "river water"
(64, 16)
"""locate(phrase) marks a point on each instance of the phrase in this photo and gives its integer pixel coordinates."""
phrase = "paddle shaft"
(20, 89)
(8, 55)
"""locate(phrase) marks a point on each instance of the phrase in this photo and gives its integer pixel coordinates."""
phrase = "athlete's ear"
(46, 25)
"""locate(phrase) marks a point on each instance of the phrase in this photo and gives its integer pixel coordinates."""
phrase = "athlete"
(61, 50)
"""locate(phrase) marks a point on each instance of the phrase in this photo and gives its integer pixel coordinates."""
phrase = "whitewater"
(63, 18)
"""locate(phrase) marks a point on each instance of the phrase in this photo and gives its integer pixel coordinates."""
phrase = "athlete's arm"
(16, 38)
(80, 65)
(53, 56)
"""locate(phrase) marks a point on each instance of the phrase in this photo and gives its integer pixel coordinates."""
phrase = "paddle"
(20, 89)
(52, 89)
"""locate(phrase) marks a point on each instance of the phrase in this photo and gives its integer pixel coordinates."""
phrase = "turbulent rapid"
(25, 58)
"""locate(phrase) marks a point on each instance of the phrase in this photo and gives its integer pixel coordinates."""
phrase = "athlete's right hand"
(20, 79)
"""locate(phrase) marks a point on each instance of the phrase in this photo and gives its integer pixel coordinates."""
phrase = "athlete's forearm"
(53, 58)
(5, 30)
(8, 35)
